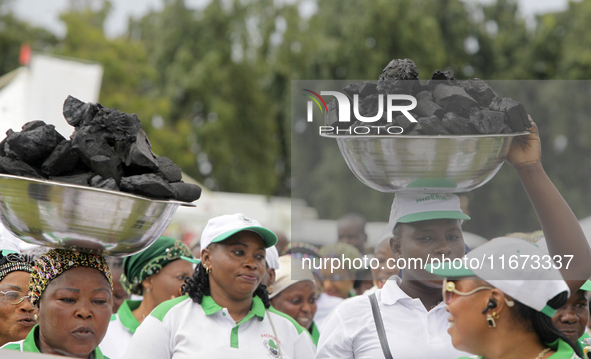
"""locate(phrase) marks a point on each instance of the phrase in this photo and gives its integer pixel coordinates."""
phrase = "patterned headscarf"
(55, 262)
(140, 266)
(11, 261)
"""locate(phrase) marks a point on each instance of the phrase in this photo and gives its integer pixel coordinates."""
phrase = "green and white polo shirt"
(121, 328)
(563, 350)
(28, 345)
(182, 329)
(314, 333)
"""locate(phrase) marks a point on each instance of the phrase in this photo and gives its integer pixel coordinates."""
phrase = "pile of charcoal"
(444, 105)
(108, 149)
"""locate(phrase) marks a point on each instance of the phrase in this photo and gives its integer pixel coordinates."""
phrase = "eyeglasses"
(14, 297)
(449, 289)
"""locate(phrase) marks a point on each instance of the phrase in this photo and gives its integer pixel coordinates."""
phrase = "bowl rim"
(513, 134)
(100, 190)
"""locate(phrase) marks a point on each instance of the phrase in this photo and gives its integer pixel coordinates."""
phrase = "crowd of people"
(243, 294)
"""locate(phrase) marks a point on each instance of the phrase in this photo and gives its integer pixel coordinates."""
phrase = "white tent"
(38, 91)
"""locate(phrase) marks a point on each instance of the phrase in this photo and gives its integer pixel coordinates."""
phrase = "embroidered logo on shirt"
(271, 347)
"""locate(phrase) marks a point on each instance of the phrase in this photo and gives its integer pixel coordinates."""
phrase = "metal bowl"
(62, 215)
(435, 164)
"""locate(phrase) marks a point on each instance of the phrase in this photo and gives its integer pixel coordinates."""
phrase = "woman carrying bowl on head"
(226, 311)
(16, 311)
(499, 311)
(73, 295)
(157, 274)
(294, 293)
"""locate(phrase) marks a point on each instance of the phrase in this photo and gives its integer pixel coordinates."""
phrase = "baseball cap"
(220, 228)
(272, 257)
(524, 281)
(411, 207)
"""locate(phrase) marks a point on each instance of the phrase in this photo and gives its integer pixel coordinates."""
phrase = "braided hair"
(542, 324)
(198, 285)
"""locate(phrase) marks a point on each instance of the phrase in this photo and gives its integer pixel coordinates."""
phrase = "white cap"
(272, 257)
(522, 278)
(221, 227)
(291, 271)
(416, 206)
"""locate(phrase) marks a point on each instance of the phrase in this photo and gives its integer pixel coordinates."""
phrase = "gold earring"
(35, 317)
(270, 288)
(491, 319)
(208, 270)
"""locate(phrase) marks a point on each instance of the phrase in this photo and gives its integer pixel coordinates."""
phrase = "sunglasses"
(449, 291)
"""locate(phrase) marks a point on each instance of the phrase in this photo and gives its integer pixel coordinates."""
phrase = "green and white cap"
(415, 206)
(220, 228)
(515, 266)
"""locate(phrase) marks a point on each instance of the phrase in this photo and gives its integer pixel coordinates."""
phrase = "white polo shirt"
(182, 329)
(412, 331)
(121, 329)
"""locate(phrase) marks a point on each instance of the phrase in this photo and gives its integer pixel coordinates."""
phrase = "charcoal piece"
(99, 182)
(427, 108)
(79, 113)
(406, 124)
(444, 94)
(441, 77)
(170, 171)
(400, 76)
(107, 167)
(424, 95)
(457, 125)
(3, 143)
(88, 141)
(363, 89)
(31, 125)
(331, 117)
(32, 146)
(117, 125)
(81, 179)
(432, 126)
(14, 167)
(487, 121)
(516, 115)
(149, 185)
(370, 105)
(138, 153)
(186, 192)
(62, 160)
(479, 91)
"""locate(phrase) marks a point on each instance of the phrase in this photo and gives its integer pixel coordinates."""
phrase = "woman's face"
(237, 265)
(167, 283)
(572, 318)
(16, 320)
(466, 321)
(298, 301)
(74, 312)
(428, 239)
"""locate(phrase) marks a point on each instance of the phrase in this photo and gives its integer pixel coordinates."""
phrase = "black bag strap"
(377, 317)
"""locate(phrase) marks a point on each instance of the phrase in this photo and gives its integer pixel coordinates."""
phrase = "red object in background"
(25, 55)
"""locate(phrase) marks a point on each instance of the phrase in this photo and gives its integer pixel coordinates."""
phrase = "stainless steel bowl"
(435, 164)
(81, 218)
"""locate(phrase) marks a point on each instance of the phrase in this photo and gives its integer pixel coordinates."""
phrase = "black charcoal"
(186, 192)
(170, 171)
(62, 160)
(117, 125)
(81, 179)
(479, 91)
(406, 124)
(138, 153)
(487, 121)
(31, 125)
(399, 77)
(457, 125)
(149, 185)
(79, 113)
(424, 95)
(517, 118)
(427, 108)
(14, 167)
(432, 126)
(107, 167)
(443, 94)
(363, 89)
(33, 146)
(99, 182)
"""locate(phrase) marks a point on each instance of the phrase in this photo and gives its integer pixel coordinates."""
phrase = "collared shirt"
(182, 329)
(28, 345)
(563, 350)
(412, 331)
(121, 328)
(314, 333)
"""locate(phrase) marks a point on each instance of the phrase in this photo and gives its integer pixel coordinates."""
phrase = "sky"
(45, 13)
